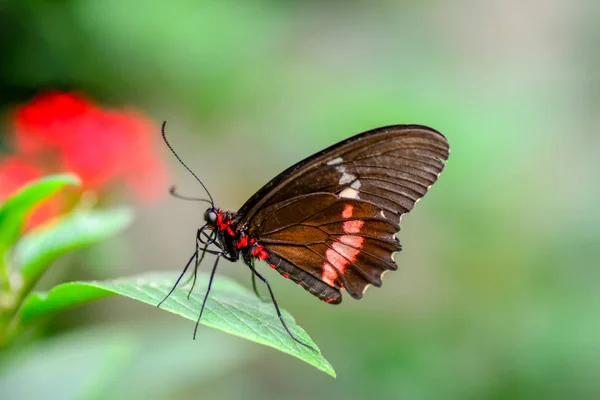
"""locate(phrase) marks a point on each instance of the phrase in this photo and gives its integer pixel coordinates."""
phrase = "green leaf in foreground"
(35, 252)
(230, 308)
(16, 208)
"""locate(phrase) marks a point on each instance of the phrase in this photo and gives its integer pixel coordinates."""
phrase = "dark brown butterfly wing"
(329, 221)
(392, 167)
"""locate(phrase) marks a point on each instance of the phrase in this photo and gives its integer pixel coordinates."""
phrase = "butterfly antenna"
(162, 129)
(173, 192)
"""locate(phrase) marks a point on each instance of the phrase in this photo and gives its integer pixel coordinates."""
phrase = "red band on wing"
(353, 226)
(354, 241)
(329, 274)
(336, 260)
(341, 255)
(347, 212)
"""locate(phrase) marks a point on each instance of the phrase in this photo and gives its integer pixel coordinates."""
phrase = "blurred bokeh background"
(496, 295)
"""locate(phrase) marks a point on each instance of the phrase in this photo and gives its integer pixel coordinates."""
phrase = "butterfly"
(329, 222)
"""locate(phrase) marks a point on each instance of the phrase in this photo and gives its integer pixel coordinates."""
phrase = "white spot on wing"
(336, 161)
(346, 177)
(349, 193)
(355, 184)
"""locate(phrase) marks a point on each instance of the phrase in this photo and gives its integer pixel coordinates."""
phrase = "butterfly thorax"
(233, 239)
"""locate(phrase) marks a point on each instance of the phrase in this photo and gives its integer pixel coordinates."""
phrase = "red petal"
(15, 173)
(46, 121)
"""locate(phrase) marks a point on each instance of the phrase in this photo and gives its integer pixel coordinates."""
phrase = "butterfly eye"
(211, 217)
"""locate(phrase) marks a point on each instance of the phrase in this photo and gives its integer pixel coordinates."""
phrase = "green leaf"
(16, 208)
(35, 252)
(230, 308)
(61, 297)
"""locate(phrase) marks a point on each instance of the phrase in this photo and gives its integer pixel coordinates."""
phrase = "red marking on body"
(220, 224)
(353, 226)
(348, 209)
(286, 276)
(243, 242)
(252, 240)
(329, 300)
(329, 274)
(223, 225)
(260, 252)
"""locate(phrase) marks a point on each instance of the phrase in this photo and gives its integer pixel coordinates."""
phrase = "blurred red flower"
(65, 132)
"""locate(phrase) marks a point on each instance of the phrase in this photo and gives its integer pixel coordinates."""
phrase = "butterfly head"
(216, 219)
(211, 217)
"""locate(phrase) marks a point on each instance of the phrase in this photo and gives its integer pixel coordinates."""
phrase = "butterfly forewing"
(391, 166)
(329, 221)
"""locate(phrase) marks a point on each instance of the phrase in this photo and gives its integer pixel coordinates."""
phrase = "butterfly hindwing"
(344, 243)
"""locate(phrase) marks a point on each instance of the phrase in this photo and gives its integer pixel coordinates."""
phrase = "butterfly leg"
(196, 265)
(195, 255)
(212, 275)
(199, 259)
(266, 282)
(264, 300)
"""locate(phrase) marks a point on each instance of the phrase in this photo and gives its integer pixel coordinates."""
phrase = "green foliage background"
(497, 291)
